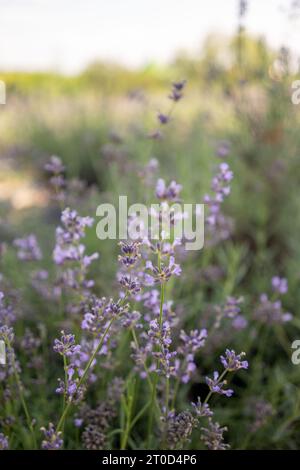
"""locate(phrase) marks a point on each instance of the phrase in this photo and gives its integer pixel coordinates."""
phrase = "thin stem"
(162, 299)
(218, 381)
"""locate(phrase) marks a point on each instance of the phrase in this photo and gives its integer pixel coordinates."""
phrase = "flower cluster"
(7, 313)
(233, 362)
(28, 248)
(52, 439)
(161, 336)
(271, 312)
(213, 436)
(170, 192)
(217, 223)
(190, 345)
(279, 285)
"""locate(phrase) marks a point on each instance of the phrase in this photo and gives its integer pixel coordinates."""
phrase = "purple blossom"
(193, 341)
(239, 322)
(223, 149)
(3, 442)
(130, 253)
(54, 165)
(57, 179)
(170, 193)
(219, 225)
(52, 439)
(176, 92)
(279, 285)
(28, 248)
(163, 273)
(216, 386)
(232, 361)
(6, 333)
(271, 312)
(201, 409)
(179, 428)
(161, 337)
(131, 285)
(213, 436)
(7, 314)
(163, 118)
(66, 345)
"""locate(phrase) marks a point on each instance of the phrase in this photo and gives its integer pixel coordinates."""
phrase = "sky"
(66, 35)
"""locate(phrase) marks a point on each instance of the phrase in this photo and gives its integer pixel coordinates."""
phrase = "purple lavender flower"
(176, 92)
(191, 343)
(202, 409)
(163, 273)
(170, 193)
(161, 336)
(28, 248)
(57, 179)
(232, 361)
(232, 306)
(7, 314)
(3, 442)
(163, 118)
(130, 253)
(219, 225)
(216, 386)
(239, 322)
(131, 285)
(279, 285)
(6, 334)
(223, 149)
(271, 312)
(194, 340)
(52, 439)
(54, 165)
(179, 428)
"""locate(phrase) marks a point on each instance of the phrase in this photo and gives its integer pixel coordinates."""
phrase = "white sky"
(66, 35)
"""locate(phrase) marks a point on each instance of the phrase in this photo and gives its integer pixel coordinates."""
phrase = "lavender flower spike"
(52, 439)
(216, 386)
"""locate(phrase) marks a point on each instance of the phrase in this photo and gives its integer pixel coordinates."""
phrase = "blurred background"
(85, 81)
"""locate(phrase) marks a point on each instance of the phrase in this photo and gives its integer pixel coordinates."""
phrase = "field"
(143, 346)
